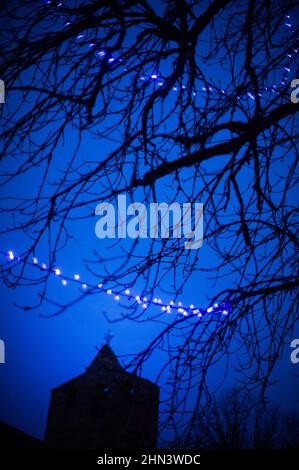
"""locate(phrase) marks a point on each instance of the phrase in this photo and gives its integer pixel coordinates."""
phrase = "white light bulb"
(11, 255)
(77, 277)
(109, 291)
(64, 282)
(35, 260)
(57, 271)
(84, 286)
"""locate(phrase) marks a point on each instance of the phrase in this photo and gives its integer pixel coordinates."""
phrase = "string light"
(144, 302)
(192, 310)
(155, 75)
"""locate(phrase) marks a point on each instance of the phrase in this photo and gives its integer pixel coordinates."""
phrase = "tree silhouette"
(238, 420)
(185, 101)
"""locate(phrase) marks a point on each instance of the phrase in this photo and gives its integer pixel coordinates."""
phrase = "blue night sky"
(42, 353)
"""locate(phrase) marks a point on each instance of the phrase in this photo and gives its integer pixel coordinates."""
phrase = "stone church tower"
(104, 408)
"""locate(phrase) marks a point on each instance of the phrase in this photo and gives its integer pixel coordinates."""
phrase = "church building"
(104, 408)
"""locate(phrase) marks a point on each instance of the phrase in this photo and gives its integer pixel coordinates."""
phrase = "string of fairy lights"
(126, 294)
(118, 296)
(157, 78)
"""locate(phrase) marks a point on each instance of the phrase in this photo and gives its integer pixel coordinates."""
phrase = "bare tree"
(187, 101)
(238, 420)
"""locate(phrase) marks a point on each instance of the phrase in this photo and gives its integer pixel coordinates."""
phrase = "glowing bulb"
(84, 286)
(44, 266)
(100, 286)
(57, 271)
(116, 297)
(64, 282)
(11, 255)
(77, 277)
(127, 292)
(35, 260)
(225, 312)
(109, 291)
(210, 309)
